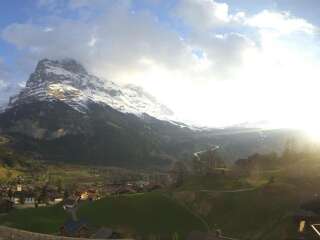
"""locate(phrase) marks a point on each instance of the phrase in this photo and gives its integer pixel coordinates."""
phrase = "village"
(21, 193)
(18, 194)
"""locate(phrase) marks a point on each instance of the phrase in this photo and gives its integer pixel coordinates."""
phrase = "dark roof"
(103, 233)
(71, 226)
(68, 201)
(304, 213)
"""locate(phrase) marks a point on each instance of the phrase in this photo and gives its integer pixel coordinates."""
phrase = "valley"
(79, 151)
(221, 198)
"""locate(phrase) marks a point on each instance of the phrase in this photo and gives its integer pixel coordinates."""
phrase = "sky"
(214, 63)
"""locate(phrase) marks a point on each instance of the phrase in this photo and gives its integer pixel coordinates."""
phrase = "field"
(252, 214)
(214, 182)
(256, 206)
(149, 214)
(42, 220)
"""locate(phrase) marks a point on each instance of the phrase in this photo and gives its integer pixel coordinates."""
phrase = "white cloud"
(228, 68)
(203, 14)
(117, 38)
(8, 86)
(281, 22)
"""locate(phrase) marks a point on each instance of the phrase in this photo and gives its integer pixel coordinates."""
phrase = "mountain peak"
(67, 81)
(68, 64)
(65, 71)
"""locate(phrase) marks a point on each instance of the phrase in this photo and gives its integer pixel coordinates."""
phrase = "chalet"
(105, 233)
(84, 195)
(15, 200)
(303, 219)
(92, 194)
(57, 200)
(69, 204)
(29, 197)
(72, 228)
(142, 184)
(19, 187)
(29, 200)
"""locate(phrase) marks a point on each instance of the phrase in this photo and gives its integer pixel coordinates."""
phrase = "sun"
(313, 133)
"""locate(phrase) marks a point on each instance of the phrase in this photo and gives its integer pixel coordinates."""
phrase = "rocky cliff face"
(68, 81)
(66, 114)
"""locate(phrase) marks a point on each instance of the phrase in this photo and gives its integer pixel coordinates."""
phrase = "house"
(72, 228)
(69, 204)
(19, 187)
(29, 197)
(84, 195)
(303, 220)
(105, 233)
(29, 200)
(92, 194)
(15, 200)
(142, 184)
(57, 200)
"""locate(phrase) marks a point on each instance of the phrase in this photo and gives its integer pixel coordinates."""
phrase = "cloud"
(210, 32)
(8, 86)
(118, 38)
(122, 40)
(208, 59)
(202, 14)
(281, 22)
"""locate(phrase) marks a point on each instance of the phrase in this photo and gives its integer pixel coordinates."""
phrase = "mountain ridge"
(68, 81)
(64, 114)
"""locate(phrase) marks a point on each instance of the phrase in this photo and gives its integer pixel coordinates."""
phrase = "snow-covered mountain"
(68, 81)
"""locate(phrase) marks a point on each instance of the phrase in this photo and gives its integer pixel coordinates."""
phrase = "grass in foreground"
(143, 214)
(42, 220)
(252, 214)
(214, 182)
(147, 214)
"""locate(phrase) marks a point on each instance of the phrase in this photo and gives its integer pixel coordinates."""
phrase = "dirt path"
(229, 191)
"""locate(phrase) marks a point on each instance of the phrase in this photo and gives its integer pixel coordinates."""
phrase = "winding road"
(214, 148)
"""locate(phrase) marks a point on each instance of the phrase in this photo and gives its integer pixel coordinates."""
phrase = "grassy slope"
(147, 214)
(262, 213)
(252, 214)
(214, 182)
(43, 220)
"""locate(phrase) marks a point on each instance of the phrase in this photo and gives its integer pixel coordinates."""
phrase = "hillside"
(256, 200)
(65, 114)
(140, 214)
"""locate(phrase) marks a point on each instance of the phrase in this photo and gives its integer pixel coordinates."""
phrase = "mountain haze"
(65, 114)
